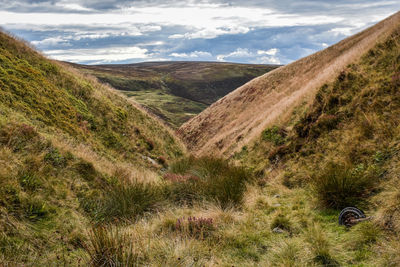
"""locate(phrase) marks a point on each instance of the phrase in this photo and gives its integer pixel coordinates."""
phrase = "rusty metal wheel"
(350, 216)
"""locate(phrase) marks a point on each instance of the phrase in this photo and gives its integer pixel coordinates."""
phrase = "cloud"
(72, 7)
(50, 41)
(195, 54)
(347, 31)
(266, 31)
(210, 33)
(238, 53)
(270, 60)
(270, 52)
(103, 55)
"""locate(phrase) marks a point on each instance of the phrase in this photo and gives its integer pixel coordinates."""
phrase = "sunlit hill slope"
(242, 115)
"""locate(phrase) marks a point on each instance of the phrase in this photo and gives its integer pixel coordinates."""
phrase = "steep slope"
(60, 102)
(240, 116)
(176, 91)
(343, 150)
(63, 139)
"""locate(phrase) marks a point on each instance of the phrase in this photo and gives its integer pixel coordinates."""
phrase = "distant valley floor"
(176, 91)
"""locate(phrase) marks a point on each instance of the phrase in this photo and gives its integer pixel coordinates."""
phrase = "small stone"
(278, 230)
(277, 196)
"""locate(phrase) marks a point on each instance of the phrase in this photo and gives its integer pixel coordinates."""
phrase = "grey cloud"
(292, 42)
(311, 7)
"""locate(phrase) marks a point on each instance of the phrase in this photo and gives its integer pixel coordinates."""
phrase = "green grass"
(338, 186)
(176, 91)
(125, 201)
(53, 98)
(210, 179)
(172, 109)
(342, 149)
(109, 247)
(62, 136)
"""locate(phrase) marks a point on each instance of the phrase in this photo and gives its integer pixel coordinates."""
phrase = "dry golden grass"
(239, 117)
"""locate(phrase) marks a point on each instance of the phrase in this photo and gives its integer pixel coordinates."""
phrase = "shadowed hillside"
(176, 91)
(242, 115)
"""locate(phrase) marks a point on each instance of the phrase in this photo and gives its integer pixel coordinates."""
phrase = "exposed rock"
(277, 230)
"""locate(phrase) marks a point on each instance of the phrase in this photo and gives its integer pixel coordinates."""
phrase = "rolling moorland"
(87, 178)
(176, 91)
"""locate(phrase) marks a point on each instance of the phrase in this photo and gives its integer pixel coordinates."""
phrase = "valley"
(176, 91)
(90, 175)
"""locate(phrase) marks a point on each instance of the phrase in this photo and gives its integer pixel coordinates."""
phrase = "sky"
(252, 31)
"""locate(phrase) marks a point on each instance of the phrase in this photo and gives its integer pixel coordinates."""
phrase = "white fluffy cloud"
(267, 56)
(102, 55)
(51, 41)
(270, 52)
(195, 54)
(238, 53)
(269, 60)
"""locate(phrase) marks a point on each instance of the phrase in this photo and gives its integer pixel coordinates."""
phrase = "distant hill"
(176, 91)
(236, 119)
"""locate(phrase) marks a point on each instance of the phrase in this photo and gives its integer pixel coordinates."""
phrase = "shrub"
(183, 192)
(338, 185)
(125, 200)
(227, 188)
(209, 179)
(182, 166)
(109, 247)
(274, 135)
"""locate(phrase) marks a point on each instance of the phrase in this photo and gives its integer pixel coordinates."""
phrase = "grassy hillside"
(73, 199)
(176, 91)
(342, 150)
(242, 115)
(62, 137)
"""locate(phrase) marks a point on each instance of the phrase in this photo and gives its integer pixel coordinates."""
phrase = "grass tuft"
(338, 186)
(109, 247)
(281, 221)
(217, 181)
(195, 227)
(320, 246)
(126, 201)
